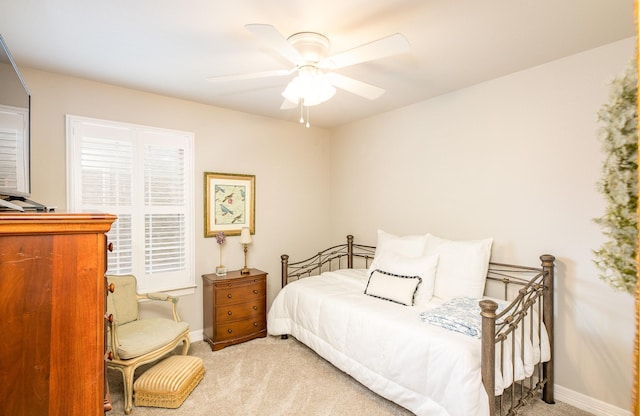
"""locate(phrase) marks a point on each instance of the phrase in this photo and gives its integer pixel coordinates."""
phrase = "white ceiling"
(170, 47)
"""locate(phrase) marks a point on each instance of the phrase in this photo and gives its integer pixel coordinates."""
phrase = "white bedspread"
(385, 346)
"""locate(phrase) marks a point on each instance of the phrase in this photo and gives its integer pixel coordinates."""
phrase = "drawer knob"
(255, 308)
(229, 331)
(111, 287)
(229, 296)
(255, 292)
(255, 324)
(229, 313)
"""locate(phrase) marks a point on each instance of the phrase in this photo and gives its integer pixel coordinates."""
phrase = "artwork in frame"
(229, 203)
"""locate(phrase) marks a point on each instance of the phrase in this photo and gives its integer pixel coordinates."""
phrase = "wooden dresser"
(52, 306)
(234, 307)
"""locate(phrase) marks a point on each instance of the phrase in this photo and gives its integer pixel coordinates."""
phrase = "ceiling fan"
(316, 81)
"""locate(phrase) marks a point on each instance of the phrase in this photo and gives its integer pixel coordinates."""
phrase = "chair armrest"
(165, 298)
(113, 337)
(158, 296)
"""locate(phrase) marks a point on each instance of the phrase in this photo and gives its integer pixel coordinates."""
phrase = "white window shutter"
(143, 176)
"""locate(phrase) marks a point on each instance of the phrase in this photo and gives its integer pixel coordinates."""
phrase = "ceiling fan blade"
(273, 38)
(288, 105)
(354, 86)
(251, 75)
(387, 46)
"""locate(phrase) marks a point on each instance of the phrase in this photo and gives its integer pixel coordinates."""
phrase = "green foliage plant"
(618, 133)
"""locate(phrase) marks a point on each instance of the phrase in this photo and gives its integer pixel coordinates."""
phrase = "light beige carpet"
(273, 377)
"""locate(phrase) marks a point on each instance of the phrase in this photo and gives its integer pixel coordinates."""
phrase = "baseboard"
(196, 336)
(588, 404)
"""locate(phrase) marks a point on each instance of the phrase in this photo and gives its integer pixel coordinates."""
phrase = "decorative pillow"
(423, 266)
(393, 287)
(462, 266)
(408, 246)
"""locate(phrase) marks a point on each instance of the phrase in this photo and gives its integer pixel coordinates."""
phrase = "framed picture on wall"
(229, 203)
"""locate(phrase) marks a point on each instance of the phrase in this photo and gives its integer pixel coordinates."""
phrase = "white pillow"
(462, 266)
(408, 246)
(396, 288)
(423, 266)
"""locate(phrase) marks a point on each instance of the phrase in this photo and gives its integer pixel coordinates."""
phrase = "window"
(14, 151)
(144, 176)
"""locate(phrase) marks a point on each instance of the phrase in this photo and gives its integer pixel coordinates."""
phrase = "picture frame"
(229, 203)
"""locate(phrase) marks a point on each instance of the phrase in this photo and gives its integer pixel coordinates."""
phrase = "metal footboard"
(530, 313)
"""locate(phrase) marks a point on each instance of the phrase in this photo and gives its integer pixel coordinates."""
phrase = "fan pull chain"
(301, 111)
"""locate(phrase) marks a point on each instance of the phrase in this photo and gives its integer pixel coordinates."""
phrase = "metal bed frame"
(531, 293)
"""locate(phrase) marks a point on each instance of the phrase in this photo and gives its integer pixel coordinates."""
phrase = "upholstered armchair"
(131, 341)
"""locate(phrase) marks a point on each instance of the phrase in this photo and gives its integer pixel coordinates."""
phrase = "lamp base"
(244, 270)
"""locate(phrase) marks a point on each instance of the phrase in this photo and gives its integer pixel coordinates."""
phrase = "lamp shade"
(245, 236)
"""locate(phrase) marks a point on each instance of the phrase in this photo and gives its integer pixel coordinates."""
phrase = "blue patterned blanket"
(460, 315)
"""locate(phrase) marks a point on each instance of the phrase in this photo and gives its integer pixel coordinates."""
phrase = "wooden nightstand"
(234, 307)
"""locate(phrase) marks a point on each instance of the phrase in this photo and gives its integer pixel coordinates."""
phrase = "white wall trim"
(588, 404)
(196, 335)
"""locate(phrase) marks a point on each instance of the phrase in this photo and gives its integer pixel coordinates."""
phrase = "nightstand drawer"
(239, 282)
(240, 311)
(240, 293)
(240, 328)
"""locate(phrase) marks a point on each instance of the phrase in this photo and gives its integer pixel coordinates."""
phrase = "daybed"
(384, 316)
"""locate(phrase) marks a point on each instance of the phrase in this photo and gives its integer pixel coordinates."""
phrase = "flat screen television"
(15, 123)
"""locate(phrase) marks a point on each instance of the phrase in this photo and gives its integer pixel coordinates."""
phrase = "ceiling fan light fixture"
(311, 87)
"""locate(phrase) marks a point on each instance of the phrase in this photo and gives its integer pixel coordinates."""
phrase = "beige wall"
(515, 159)
(290, 162)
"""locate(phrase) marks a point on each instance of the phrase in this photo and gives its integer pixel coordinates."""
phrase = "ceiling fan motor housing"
(313, 47)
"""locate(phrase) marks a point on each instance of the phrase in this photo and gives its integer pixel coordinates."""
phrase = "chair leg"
(127, 377)
(185, 345)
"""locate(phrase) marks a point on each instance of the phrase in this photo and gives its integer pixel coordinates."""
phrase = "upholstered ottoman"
(168, 383)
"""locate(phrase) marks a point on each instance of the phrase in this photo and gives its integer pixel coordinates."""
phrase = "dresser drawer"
(236, 293)
(240, 311)
(240, 328)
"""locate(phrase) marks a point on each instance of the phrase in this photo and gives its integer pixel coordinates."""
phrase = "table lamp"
(245, 240)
